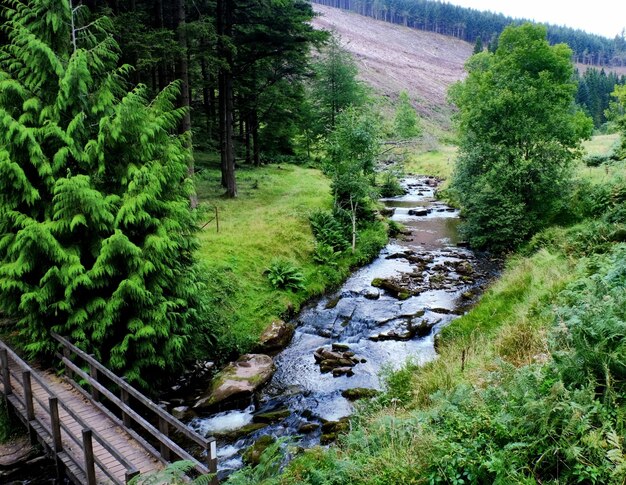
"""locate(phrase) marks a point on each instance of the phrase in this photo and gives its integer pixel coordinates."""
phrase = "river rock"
(182, 412)
(340, 371)
(418, 212)
(371, 294)
(308, 428)
(359, 393)
(238, 380)
(331, 429)
(395, 289)
(252, 456)
(192, 377)
(271, 416)
(338, 361)
(276, 337)
(236, 434)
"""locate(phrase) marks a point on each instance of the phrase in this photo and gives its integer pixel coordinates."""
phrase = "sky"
(603, 17)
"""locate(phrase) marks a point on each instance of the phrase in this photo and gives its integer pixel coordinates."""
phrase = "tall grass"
(438, 162)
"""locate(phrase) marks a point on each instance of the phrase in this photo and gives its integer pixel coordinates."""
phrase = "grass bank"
(266, 223)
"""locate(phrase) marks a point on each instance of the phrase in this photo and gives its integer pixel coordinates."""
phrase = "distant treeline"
(470, 24)
(594, 92)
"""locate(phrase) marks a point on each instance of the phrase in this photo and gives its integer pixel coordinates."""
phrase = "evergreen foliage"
(519, 134)
(335, 86)
(594, 92)
(97, 234)
(478, 45)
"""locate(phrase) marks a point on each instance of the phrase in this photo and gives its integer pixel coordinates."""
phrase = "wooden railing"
(42, 418)
(126, 405)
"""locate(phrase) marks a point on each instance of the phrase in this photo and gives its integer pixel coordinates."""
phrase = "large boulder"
(276, 337)
(238, 380)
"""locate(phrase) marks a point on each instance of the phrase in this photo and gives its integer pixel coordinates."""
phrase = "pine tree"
(97, 237)
(478, 46)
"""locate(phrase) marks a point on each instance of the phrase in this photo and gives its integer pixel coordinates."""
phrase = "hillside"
(392, 58)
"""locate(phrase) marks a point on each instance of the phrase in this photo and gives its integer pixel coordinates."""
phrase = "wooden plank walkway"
(91, 445)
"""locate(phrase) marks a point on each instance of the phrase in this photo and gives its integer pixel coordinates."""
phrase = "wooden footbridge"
(104, 431)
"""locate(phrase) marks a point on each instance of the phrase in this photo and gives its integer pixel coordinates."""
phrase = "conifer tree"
(96, 233)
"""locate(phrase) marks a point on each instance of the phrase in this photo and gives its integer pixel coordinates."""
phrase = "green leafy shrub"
(283, 275)
(328, 230)
(325, 254)
(390, 186)
(596, 160)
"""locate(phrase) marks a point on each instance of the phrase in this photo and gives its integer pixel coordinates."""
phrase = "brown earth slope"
(392, 58)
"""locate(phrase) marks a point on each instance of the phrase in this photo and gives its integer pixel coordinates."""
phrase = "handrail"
(136, 417)
(28, 399)
(122, 403)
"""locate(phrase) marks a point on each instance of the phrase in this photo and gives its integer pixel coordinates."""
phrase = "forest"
(179, 177)
(470, 24)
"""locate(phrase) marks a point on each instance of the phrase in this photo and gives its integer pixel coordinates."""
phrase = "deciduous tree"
(519, 132)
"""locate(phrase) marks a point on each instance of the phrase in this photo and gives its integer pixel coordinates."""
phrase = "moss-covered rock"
(252, 456)
(272, 416)
(359, 393)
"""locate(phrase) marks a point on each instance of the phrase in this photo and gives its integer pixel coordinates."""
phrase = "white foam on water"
(223, 422)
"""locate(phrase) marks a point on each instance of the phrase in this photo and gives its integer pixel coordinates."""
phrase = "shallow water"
(370, 321)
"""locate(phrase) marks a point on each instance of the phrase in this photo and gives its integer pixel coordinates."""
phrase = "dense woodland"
(595, 87)
(470, 24)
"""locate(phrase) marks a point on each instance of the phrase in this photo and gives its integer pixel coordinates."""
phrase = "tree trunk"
(256, 147)
(206, 97)
(182, 68)
(227, 153)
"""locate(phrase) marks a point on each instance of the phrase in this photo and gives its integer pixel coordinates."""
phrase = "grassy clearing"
(601, 144)
(268, 222)
(438, 162)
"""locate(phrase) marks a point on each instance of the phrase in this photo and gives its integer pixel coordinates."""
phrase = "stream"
(378, 326)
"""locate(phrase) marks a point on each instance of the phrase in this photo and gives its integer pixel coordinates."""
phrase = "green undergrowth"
(262, 263)
(529, 386)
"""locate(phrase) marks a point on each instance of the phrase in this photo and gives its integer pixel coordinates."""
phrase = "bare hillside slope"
(392, 58)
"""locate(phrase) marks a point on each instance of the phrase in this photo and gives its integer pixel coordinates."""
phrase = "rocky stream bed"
(338, 347)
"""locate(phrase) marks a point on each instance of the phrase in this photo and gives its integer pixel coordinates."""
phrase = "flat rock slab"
(15, 452)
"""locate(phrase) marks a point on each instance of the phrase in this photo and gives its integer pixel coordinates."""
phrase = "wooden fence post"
(93, 372)
(164, 428)
(211, 457)
(67, 355)
(90, 466)
(56, 424)
(6, 375)
(125, 397)
(28, 395)
(130, 474)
